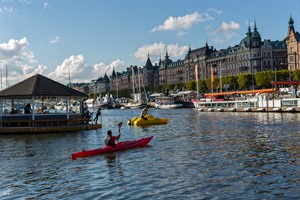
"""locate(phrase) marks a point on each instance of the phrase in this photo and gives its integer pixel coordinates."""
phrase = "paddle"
(119, 132)
(120, 124)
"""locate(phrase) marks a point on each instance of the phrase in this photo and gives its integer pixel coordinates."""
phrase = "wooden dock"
(46, 126)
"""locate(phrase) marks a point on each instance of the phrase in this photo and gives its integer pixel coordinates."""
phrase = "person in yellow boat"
(144, 113)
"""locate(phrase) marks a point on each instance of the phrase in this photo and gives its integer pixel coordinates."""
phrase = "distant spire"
(291, 21)
(291, 27)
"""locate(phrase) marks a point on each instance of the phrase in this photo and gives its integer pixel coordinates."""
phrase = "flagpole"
(196, 77)
(221, 90)
(212, 78)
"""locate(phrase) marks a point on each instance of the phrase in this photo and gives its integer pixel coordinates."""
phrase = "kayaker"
(144, 113)
(110, 140)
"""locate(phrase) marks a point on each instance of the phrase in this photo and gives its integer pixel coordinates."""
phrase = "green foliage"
(296, 75)
(202, 86)
(229, 83)
(245, 81)
(176, 87)
(191, 85)
(263, 79)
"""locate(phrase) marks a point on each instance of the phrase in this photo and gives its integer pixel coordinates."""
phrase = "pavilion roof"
(39, 85)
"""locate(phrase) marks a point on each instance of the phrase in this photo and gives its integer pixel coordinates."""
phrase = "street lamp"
(284, 65)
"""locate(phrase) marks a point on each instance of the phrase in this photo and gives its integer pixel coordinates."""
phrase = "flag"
(212, 73)
(196, 73)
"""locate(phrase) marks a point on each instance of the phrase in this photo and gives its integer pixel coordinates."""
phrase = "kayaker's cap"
(109, 132)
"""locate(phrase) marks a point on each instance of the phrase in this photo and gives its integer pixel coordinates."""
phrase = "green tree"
(244, 81)
(263, 79)
(202, 86)
(296, 75)
(191, 85)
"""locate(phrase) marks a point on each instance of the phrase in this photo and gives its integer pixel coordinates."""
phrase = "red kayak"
(120, 146)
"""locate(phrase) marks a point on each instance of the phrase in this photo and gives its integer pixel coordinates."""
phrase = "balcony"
(257, 68)
(244, 68)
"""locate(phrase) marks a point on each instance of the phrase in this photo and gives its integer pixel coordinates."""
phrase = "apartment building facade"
(251, 55)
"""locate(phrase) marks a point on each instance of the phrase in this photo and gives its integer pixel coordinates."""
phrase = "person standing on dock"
(97, 115)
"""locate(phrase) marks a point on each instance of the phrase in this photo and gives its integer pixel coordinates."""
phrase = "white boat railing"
(252, 103)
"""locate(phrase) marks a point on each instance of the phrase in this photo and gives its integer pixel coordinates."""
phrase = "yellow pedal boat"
(138, 121)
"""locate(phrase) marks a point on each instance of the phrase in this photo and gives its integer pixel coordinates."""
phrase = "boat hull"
(138, 121)
(121, 146)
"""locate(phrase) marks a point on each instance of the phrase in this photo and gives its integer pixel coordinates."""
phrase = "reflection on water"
(195, 156)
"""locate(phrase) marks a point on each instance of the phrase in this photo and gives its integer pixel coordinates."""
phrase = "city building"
(293, 47)
(251, 55)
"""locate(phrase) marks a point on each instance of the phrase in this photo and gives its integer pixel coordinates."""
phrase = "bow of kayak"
(120, 146)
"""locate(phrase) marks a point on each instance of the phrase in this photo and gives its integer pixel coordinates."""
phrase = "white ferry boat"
(273, 99)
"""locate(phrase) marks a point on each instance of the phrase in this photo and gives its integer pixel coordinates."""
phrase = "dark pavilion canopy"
(40, 86)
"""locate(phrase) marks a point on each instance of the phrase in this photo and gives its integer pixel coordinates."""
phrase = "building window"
(292, 50)
(292, 59)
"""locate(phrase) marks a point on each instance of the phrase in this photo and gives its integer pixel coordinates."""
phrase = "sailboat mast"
(220, 65)
(6, 76)
(69, 76)
(139, 79)
(132, 81)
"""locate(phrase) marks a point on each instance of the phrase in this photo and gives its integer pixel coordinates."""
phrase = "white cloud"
(7, 10)
(214, 10)
(176, 51)
(74, 66)
(180, 34)
(158, 50)
(100, 69)
(20, 63)
(226, 32)
(18, 60)
(54, 40)
(227, 27)
(46, 5)
(182, 23)
(27, 2)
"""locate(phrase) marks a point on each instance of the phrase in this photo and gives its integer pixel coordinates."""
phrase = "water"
(195, 156)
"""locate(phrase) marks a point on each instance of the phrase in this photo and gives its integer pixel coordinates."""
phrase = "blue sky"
(91, 37)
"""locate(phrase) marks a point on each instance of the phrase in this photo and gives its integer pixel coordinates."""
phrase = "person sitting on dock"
(97, 115)
(110, 140)
(86, 112)
(27, 108)
(144, 113)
